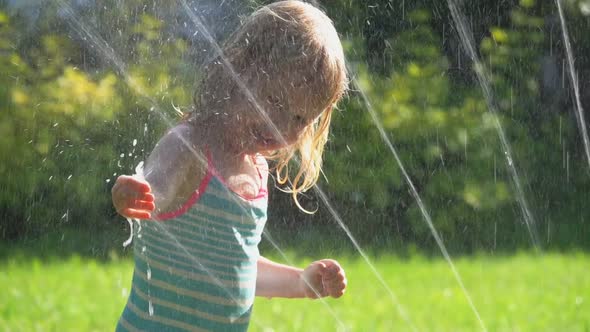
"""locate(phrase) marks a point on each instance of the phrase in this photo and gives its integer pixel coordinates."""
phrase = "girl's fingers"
(135, 213)
(134, 184)
(134, 190)
(335, 281)
(130, 196)
(137, 204)
(148, 197)
(336, 290)
(334, 274)
(337, 293)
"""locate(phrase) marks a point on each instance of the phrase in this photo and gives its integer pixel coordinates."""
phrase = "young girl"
(197, 265)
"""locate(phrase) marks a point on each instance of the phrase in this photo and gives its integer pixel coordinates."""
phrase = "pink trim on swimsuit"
(194, 197)
(262, 192)
(211, 172)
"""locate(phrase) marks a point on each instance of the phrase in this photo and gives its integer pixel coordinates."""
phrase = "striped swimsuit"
(195, 268)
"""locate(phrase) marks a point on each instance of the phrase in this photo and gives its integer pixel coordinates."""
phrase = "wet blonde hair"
(291, 44)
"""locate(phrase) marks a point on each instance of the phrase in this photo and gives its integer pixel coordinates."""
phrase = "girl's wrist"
(302, 285)
(299, 289)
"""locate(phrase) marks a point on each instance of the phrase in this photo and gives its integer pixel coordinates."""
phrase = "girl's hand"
(323, 278)
(132, 197)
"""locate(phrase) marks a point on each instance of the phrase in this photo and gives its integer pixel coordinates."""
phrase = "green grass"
(524, 292)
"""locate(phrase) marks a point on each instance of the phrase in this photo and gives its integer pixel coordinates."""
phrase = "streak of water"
(574, 79)
(468, 43)
(421, 205)
(270, 239)
(198, 22)
(401, 311)
(107, 52)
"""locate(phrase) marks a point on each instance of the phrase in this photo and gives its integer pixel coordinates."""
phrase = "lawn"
(524, 292)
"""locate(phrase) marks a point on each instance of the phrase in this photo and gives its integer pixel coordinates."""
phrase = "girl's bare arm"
(321, 278)
(170, 163)
(166, 170)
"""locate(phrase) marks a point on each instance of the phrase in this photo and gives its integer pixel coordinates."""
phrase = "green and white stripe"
(197, 271)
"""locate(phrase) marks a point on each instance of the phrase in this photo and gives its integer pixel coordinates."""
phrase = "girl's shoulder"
(175, 167)
(179, 151)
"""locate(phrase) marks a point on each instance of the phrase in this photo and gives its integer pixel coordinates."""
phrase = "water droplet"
(128, 241)
(121, 155)
(149, 273)
(447, 292)
(134, 142)
(108, 180)
(143, 249)
(69, 177)
(150, 308)
(139, 169)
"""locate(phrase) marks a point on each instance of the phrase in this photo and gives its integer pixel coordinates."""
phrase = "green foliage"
(84, 99)
(541, 127)
(65, 128)
(448, 140)
(53, 111)
(441, 131)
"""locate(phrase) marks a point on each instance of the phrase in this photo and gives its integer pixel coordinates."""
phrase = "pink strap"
(194, 197)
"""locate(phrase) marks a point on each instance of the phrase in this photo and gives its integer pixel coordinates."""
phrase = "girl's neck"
(213, 133)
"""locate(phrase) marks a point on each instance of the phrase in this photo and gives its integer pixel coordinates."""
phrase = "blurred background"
(494, 145)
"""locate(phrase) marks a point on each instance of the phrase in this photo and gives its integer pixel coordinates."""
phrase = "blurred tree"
(51, 114)
(88, 87)
(441, 131)
(528, 79)
(73, 130)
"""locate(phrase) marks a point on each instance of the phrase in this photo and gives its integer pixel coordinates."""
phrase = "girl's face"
(290, 111)
(281, 119)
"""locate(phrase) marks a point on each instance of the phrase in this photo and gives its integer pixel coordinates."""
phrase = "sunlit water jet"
(270, 239)
(421, 205)
(400, 309)
(198, 22)
(107, 52)
(468, 44)
(574, 80)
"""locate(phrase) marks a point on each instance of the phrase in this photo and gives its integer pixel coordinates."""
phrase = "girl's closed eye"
(299, 119)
